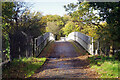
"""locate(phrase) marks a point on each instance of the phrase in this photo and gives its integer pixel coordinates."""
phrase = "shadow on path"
(65, 61)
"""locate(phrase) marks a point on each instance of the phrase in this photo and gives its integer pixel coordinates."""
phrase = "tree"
(33, 23)
(7, 12)
(54, 24)
(52, 27)
(18, 19)
(66, 18)
(83, 17)
(109, 12)
(88, 22)
(69, 27)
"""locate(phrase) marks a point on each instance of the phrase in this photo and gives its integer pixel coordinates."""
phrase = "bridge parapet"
(83, 40)
(41, 41)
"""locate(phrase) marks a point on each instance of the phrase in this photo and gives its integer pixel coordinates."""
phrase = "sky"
(50, 6)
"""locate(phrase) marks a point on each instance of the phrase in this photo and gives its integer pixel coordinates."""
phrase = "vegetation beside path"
(108, 67)
(26, 67)
(22, 68)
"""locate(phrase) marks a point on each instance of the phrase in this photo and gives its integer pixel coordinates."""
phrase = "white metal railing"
(83, 40)
(41, 41)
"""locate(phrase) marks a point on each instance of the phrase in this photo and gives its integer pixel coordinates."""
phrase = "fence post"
(98, 47)
(92, 47)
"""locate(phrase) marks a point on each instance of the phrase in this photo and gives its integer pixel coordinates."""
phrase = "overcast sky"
(50, 6)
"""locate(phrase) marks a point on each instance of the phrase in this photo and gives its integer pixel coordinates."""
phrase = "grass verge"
(22, 68)
(106, 66)
(78, 47)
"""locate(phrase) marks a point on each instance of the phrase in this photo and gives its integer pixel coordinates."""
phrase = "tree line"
(17, 17)
(102, 25)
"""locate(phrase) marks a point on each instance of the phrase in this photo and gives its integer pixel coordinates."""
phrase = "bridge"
(83, 40)
(26, 46)
(66, 58)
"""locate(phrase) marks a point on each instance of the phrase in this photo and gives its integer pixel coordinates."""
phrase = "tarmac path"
(65, 61)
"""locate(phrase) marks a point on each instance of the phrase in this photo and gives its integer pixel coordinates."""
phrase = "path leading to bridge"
(65, 60)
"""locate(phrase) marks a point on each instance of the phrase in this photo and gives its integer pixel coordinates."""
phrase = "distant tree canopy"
(54, 24)
(69, 27)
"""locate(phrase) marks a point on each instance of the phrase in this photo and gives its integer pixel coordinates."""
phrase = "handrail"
(41, 41)
(82, 39)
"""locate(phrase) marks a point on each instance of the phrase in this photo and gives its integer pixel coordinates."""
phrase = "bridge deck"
(65, 61)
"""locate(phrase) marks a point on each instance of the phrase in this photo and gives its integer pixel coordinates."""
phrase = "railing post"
(34, 44)
(40, 42)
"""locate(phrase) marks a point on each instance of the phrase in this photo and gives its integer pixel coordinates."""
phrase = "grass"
(22, 68)
(106, 66)
(78, 49)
